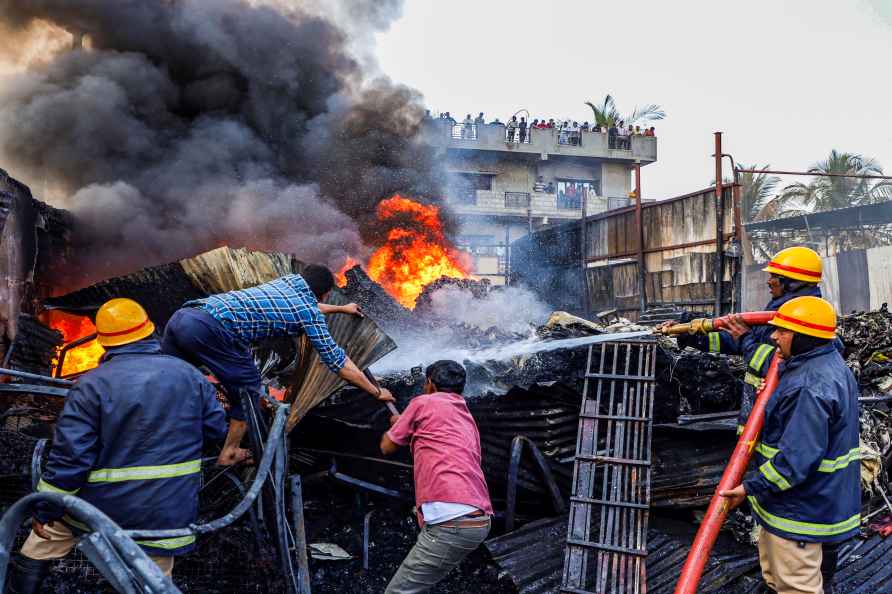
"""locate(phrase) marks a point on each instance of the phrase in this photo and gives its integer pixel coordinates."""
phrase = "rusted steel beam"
(654, 250)
(814, 173)
(642, 297)
(719, 264)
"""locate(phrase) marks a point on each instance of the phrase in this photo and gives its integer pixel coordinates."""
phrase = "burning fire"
(416, 252)
(81, 358)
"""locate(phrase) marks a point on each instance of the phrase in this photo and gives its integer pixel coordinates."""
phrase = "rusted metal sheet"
(679, 234)
(33, 237)
(227, 269)
(311, 381)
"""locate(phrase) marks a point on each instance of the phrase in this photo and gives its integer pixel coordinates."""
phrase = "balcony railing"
(464, 131)
(517, 199)
(517, 135)
(569, 202)
(622, 143)
(570, 137)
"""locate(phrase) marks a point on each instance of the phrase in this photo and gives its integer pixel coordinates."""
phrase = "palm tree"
(829, 193)
(757, 198)
(757, 194)
(607, 115)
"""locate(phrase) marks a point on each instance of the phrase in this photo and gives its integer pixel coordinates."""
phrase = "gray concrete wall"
(520, 176)
(616, 180)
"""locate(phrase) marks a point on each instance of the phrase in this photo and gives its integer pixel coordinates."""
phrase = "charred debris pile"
(362, 502)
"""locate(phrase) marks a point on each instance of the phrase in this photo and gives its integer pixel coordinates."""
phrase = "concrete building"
(503, 187)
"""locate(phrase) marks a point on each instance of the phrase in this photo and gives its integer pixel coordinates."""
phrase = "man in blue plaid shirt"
(218, 332)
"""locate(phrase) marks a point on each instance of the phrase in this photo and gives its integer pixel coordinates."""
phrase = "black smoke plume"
(188, 124)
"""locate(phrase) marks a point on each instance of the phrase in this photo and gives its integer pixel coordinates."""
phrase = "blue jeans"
(194, 335)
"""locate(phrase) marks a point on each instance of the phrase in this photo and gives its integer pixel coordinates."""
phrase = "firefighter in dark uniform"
(806, 493)
(793, 272)
(129, 441)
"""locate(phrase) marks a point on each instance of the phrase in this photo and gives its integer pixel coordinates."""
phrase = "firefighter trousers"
(790, 567)
(62, 541)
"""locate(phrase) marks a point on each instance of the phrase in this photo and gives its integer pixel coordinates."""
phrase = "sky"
(786, 81)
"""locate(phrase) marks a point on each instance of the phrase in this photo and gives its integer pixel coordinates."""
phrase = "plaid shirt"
(283, 307)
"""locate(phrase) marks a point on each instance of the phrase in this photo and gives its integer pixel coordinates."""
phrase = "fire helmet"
(811, 316)
(798, 263)
(122, 321)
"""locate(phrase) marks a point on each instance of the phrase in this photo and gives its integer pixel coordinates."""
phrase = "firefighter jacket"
(807, 486)
(755, 347)
(129, 441)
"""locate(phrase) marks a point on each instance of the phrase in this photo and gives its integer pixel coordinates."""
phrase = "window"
(485, 246)
(517, 199)
(570, 193)
(464, 186)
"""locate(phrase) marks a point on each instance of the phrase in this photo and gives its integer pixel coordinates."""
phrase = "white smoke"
(512, 312)
(510, 309)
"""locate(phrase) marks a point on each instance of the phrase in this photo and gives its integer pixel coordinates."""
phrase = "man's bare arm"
(351, 373)
(388, 446)
(350, 308)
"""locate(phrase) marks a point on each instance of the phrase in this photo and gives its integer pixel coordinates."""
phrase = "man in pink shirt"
(450, 490)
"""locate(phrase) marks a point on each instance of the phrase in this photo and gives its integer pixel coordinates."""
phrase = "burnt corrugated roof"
(533, 556)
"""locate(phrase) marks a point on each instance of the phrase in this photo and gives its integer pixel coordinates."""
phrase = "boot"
(26, 575)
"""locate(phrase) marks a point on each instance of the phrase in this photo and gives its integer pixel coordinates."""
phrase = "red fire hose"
(718, 506)
(705, 325)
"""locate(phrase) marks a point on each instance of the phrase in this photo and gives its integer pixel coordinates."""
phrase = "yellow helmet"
(811, 316)
(799, 263)
(122, 321)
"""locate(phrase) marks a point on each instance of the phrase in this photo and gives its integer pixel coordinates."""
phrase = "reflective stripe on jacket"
(807, 485)
(129, 441)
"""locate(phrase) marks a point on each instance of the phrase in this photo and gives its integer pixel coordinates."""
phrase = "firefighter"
(807, 490)
(793, 272)
(129, 441)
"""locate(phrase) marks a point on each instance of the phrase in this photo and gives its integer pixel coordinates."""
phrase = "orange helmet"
(799, 263)
(122, 321)
(811, 316)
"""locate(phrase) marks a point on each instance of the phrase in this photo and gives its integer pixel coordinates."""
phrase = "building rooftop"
(545, 142)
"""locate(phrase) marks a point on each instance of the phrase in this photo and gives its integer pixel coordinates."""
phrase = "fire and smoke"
(80, 358)
(416, 251)
(188, 124)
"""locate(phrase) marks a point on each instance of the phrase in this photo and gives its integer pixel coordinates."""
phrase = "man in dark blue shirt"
(218, 331)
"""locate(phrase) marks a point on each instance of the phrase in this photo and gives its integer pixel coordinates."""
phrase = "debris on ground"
(536, 395)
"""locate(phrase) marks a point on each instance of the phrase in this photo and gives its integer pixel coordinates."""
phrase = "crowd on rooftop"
(519, 129)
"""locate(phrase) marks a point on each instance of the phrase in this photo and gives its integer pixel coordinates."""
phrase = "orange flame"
(341, 276)
(416, 252)
(81, 358)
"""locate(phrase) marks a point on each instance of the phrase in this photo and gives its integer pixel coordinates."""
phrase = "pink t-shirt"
(446, 448)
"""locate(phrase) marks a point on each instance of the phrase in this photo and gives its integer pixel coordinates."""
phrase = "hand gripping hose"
(706, 325)
(718, 506)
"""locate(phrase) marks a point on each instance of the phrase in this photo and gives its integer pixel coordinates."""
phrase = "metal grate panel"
(607, 532)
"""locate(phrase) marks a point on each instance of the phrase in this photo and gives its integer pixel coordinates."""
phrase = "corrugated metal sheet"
(677, 221)
(865, 567)
(829, 282)
(312, 382)
(534, 559)
(879, 269)
(854, 290)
